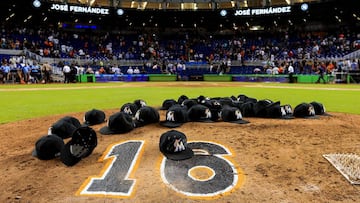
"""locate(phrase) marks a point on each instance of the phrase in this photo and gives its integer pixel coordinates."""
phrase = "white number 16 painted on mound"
(180, 176)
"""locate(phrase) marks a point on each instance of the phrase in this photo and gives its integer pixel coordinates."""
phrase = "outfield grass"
(20, 102)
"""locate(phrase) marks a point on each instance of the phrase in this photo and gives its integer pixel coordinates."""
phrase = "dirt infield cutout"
(347, 164)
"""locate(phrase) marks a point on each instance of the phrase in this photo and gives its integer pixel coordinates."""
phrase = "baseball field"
(266, 160)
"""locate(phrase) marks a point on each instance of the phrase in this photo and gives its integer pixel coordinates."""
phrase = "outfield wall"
(205, 77)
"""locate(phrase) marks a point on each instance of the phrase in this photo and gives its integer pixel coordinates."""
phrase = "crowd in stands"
(306, 52)
(53, 42)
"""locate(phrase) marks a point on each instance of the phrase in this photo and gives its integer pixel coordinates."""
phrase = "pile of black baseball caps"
(130, 116)
(232, 109)
(83, 138)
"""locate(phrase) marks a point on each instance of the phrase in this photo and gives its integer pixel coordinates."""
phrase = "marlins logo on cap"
(129, 108)
(199, 113)
(175, 117)
(232, 115)
(173, 144)
(146, 115)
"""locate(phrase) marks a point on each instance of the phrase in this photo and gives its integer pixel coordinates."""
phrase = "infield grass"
(20, 102)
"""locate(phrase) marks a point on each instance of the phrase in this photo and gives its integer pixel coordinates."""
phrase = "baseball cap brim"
(170, 124)
(107, 131)
(186, 154)
(66, 157)
(239, 121)
(87, 123)
(34, 153)
(287, 117)
(310, 117)
(204, 120)
(325, 114)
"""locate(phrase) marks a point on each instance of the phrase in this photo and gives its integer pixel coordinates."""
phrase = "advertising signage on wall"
(79, 9)
(263, 11)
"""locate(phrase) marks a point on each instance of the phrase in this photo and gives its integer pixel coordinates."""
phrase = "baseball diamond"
(179, 101)
(266, 159)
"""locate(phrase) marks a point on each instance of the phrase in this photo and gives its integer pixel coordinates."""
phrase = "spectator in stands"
(46, 70)
(281, 68)
(136, 70)
(268, 70)
(275, 70)
(130, 70)
(26, 72)
(102, 70)
(5, 69)
(354, 65)
(257, 70)
(143, 71)
(35, 73)
(89, 70)
(116, 70)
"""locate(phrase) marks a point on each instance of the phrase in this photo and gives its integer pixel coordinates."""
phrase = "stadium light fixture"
(223, 13)
(120, 12)
(36, 3)
(304, 7)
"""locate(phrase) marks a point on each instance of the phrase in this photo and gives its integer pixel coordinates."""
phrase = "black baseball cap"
(129, 108)
(201, 99)
(232, 115)
(319, 108)
(305, 110)
(167, 103)
(199, 113)
(175, 117)
(182, 98)
(140, 103)
(48, 147)
(94, 117)
(275, 110)
(226, 101)
(188, 103)
(261, 106)
(82, 144)
(118, 123)
(173, 144)
(247, 109)
(286, 111)
(215, 108)
(146, 115)
(64, 127)
(244, 98)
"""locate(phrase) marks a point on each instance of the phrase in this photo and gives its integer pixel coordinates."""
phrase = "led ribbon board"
(80, 9)
(263, 11)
